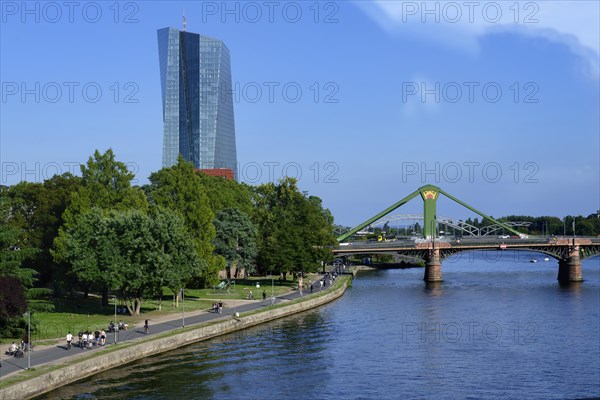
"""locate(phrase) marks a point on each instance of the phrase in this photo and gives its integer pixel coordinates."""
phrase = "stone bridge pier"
(569, 267)
(433, 267)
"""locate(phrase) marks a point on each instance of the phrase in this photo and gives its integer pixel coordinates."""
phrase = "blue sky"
(497, 104)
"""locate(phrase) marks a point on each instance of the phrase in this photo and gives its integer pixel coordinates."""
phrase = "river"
(498, 327)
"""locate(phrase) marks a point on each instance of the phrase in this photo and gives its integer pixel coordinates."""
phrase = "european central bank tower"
(195, 77)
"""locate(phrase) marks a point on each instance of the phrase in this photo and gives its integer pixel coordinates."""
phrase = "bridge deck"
(410, 246)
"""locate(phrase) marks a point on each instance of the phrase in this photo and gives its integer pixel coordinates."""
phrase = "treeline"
(547, 225)
(99, 233)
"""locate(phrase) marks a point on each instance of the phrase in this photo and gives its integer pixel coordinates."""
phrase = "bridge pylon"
(433, 267)
(569, 267)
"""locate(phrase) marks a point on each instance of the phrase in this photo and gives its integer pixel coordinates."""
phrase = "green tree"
(56, 197)
(319, 237)
(15, 279)
(224, 193)
(151, 253)
(12, 306)
(13, 253)
(295, 232)
(37, 209)
(106, 186)
(133, 253)
(235, 240)
(176, 262)
(89, 247)
(179, 188)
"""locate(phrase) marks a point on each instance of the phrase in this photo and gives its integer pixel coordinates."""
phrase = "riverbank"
(47, 377)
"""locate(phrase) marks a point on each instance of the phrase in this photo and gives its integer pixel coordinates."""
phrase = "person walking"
(264, 294)
(69, 340)
(146, 327)
(102, 337)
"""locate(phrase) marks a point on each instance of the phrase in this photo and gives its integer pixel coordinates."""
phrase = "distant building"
(197, 100)
(222, 172)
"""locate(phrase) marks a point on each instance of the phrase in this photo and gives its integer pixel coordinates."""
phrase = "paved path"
(52, 354)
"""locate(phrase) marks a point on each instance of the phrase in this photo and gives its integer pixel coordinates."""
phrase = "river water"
(497, 327)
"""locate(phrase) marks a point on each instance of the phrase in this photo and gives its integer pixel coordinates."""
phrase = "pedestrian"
(84, 339)
(311, 287)
(300, 284)
(264, 295)
(69, 340)
(97, 337)
(102, 337)
(220, 307)
(146, 327)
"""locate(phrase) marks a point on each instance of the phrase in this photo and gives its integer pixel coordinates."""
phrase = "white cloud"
(462, 23)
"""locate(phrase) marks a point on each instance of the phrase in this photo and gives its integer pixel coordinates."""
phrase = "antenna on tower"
(184, 21)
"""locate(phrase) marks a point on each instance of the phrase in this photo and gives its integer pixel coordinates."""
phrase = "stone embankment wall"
(75, 370)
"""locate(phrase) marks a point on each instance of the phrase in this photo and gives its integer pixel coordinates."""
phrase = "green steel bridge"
(569, 251)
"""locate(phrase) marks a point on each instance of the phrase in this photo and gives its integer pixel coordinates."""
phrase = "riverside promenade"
(55, 366)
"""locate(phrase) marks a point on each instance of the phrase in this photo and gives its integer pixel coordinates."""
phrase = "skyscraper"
(197, 99)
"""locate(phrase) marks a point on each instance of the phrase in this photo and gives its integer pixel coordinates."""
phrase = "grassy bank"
(79, 313)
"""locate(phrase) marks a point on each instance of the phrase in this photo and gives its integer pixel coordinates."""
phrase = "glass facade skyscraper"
(195, 74)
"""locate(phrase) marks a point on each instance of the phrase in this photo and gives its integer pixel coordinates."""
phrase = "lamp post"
(234, 301)
(29, 339)
(182, 307)
(116, 326)
(272, 289)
